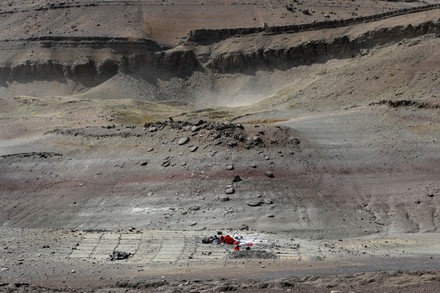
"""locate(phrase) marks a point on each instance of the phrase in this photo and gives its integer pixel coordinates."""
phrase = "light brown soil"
(168, 21)
(353, 205)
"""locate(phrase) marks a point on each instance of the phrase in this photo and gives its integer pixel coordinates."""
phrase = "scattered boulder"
(254, 203)
(230, 190)
(152, 129)
(237, 178)
(230, 167)
(294, 140)
(119, 255)
(306, 12)
(195, 128)
(269, 174)
(145, 163)
(267, 201)
(198, 123)
(183, 140)
(193, 148)
(165, 163)
(224, 198)
(232, 144)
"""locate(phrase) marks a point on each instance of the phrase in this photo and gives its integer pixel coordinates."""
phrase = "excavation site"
(220, 145)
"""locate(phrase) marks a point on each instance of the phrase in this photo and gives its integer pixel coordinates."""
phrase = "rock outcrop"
(317, 51)
(210, 36)
(144, 58)
(149, 60)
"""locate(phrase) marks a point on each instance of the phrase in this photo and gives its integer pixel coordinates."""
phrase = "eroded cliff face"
(210, 36)
(88, 73)
(166, 64)
(316, 51)
(149, 61)
(102, 58)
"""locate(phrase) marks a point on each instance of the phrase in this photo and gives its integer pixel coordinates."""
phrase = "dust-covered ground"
(329, 168)
(324, 193)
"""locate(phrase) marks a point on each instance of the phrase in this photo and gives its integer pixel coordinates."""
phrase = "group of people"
(219, 239)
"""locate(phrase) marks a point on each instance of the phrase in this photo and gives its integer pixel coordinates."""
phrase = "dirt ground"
(329, 169)
(169, 21)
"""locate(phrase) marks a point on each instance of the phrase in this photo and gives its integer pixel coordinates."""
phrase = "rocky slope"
(318, 141)
(98, 59)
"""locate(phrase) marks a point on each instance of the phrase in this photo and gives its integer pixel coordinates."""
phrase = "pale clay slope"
(360, 193)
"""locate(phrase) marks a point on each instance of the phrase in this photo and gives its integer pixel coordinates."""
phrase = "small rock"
(267, 201)
(200, 122)
(254, 203)
(152, 129)
(306, 12)
(254, 166)
(232, 144)
(183, 140)
(269, 174)
(229, 167)
(195, 128)
(193, 148)
(230, 190)
(270, 216)
(237, 178)
(144, 163)
(262, 266)
(225, 198)
(193, 223)
(294, 140)
(165, 163)
(72, 271)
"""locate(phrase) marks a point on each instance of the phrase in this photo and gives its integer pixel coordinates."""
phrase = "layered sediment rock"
(210, 36)
(141, 57)
(316, 51)
(149, 60)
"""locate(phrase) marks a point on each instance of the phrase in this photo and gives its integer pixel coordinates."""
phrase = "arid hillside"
(133, 130)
